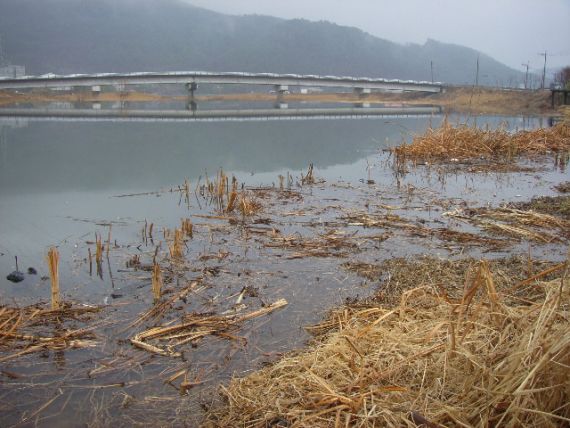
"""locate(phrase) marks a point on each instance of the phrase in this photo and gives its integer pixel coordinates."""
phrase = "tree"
(563, 77)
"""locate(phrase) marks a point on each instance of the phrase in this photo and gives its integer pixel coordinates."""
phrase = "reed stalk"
(156, 282)
(109, 240)
(98, 249)
(53, 264)
(187, 227)
(177, 246)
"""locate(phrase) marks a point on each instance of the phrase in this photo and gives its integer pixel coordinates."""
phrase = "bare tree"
(563, 77)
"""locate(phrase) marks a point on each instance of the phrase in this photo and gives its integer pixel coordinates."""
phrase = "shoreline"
(468, 100)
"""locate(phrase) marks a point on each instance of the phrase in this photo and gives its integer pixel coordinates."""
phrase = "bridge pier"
(362, 92)
(192, 105)
(192, 87)
(3, 147)
(282, 89)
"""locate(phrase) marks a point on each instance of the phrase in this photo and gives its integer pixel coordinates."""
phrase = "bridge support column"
(192, 86)
(191, 105)
(362, 92)
(281, 90)
(3, 147)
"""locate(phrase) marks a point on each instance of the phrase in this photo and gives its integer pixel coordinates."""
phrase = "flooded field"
(316, 206)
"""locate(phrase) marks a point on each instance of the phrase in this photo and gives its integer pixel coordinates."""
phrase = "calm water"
(53, 175)
(62, 181)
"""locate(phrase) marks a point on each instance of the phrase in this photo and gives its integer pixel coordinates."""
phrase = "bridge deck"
(54, 81)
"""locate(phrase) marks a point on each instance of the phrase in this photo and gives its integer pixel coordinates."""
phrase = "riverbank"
(466, 100)
(442, 343)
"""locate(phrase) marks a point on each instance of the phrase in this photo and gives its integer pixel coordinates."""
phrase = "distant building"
(12, 71)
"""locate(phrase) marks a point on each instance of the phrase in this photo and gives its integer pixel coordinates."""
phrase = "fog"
(512, 31)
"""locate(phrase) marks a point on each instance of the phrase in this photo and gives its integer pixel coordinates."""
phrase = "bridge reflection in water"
(189, 115)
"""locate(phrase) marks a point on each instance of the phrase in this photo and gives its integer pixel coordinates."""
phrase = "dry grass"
(492, 101)
(563, 187)
(248, 205)
(550, 205)
(529, 224)
(463, 142)
(483, 359)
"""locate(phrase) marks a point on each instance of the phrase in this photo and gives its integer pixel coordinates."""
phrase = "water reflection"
(63, 156)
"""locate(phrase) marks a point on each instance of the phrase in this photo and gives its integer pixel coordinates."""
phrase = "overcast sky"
(511, 31)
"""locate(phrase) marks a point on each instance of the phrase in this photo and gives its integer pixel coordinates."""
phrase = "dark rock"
(15, 276)
(32, 271)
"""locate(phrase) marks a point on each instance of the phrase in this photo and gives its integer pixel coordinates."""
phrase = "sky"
(514, 32)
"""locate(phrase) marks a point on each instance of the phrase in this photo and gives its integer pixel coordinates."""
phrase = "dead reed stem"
(176, 248)
(187, 227)
(53, 264)
(156, 282)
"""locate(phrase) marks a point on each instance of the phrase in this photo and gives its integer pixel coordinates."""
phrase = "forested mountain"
(80, 36)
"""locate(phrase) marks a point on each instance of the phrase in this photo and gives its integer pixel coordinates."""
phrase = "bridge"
(192, 79)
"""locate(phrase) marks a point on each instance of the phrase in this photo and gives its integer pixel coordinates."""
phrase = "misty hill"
(84, 36)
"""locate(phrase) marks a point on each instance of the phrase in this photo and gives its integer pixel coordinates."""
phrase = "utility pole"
(2, 54)
(544, 54)
(477, 74)
(431, 66)
(526, 74)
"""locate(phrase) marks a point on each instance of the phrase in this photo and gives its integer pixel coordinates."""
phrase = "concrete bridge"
(192, 79)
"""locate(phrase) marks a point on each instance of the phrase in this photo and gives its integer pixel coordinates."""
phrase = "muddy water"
(62, 182)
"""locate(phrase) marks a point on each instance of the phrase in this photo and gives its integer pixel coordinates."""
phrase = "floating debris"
(193, 328)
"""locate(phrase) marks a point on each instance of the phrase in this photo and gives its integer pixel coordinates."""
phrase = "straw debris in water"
(35, 329)
(485, 358)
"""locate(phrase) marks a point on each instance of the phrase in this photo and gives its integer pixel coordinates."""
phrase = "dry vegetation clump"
(35, 328)
(484, 358)
(563, 187)
(543, 220)
(553, 205)
(464, 143)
